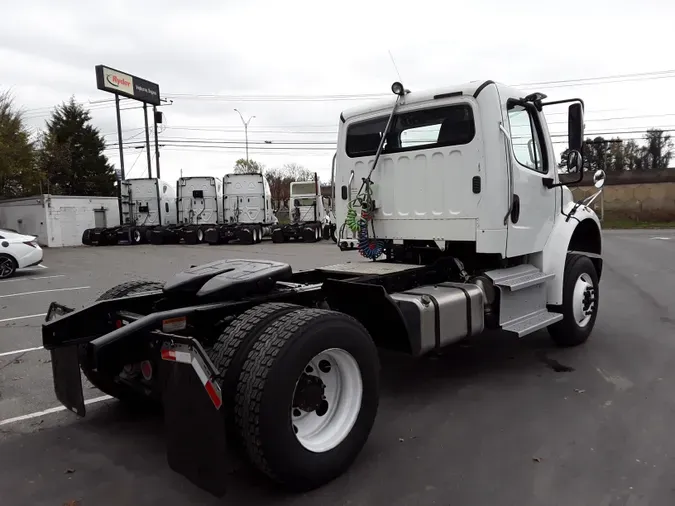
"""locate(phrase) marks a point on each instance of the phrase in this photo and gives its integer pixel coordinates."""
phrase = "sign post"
(126, 85)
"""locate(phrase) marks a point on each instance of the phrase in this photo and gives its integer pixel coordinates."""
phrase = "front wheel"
(580, 302)
(307, 397)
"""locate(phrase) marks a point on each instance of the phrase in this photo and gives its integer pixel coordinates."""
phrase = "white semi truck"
(200, 207)
(146, 204)
(308, 216)
(458, 206)
(247, 211)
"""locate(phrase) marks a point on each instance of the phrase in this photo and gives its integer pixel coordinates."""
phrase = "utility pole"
(245, 132)
(147, 139)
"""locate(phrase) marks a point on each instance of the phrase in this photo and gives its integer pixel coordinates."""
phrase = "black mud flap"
(195, 430)
(67, 378)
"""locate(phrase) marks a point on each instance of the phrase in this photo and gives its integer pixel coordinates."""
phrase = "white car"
(17, 251)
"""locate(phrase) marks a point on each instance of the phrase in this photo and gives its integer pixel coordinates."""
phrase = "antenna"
(395, 67)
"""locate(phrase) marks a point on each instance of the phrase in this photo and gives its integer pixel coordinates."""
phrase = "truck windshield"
(428, 128)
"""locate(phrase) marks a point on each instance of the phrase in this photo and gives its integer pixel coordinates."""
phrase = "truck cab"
(467, 167)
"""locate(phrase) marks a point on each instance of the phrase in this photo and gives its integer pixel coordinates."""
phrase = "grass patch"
(627, 224)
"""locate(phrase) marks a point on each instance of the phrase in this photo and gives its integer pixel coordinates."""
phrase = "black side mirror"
(296, 203)
(575, 126)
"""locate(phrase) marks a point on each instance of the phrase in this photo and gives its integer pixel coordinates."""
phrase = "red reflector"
(118, 324)
(146, 370)
(215, 398)
(168, 355)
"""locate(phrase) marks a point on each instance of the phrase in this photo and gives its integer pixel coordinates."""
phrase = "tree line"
(66, 158)
(279, 179)
(616, 154)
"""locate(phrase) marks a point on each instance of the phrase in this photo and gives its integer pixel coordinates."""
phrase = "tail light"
(32, 244)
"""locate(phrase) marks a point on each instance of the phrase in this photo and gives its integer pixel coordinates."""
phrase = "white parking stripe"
(16, 352)
(33, 279)
(50, 411)
(46, 291)
(23, 317)
(41, 266)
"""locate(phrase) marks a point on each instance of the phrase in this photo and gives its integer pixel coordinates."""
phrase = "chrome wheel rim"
(6, 267)
(583, 300)
(327, 400)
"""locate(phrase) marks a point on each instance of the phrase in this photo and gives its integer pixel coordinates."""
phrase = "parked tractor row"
(210, 210)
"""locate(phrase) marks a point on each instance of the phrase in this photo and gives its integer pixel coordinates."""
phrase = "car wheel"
(7, 266)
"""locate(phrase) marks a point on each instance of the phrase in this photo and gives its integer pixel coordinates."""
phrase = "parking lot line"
(16, 352)
(50, 411)
(33, 279)
(46, 291)
(22, 317)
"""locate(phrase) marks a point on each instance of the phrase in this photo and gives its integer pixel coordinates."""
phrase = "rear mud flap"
(67, 378)
(195, 430)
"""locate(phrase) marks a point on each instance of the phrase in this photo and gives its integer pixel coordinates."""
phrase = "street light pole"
(245, 131)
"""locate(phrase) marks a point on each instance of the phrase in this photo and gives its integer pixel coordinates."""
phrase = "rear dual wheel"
(304, 389)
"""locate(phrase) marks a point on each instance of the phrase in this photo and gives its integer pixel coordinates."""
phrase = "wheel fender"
(558, 245)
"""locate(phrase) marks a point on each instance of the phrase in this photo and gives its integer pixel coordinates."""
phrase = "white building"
(58, 220)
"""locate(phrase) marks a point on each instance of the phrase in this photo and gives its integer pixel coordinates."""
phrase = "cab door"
(531, 219)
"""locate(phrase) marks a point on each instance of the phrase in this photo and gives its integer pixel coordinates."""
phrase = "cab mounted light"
(398, 89)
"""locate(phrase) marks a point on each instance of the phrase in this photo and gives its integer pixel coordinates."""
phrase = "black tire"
(266, 389)
(190, 236)
(278, 236)
(85, 237)
(109, 385)
(568, 332)
(8, 266)
(234, 344)
(245, 235)
(135, 235)
(200, 234)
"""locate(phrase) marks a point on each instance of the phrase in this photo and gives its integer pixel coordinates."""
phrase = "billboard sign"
(114, 81)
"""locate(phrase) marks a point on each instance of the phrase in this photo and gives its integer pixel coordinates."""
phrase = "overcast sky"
(273, 50)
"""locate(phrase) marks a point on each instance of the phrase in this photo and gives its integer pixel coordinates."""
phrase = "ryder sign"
(114, 81)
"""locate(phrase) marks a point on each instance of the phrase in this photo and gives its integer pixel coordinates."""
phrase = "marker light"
(397, 88)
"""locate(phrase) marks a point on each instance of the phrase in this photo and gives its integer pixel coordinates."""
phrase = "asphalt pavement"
(495, 421)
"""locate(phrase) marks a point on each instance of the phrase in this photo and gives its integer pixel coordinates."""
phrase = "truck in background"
(145, 203)
(200, 206)
(307, 214)
(247, 211)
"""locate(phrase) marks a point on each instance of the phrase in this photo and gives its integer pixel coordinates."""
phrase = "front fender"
(558, 245)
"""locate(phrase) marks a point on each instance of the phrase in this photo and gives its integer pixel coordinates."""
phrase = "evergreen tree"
(71, 155)
(18, 175)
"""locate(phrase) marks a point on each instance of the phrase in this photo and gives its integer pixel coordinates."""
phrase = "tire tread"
(254, 374)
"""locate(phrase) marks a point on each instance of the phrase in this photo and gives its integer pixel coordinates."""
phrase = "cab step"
(522, 301)
(519, 277)
(532, 322)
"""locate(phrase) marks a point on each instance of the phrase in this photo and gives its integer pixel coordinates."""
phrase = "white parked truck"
(146, 204)
(248, 214)
(308, 217)
(458, 206)
(200, 207)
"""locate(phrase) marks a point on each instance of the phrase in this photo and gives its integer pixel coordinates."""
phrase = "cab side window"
(526, 146)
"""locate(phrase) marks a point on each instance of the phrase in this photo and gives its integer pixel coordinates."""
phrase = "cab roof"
(472, 88)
